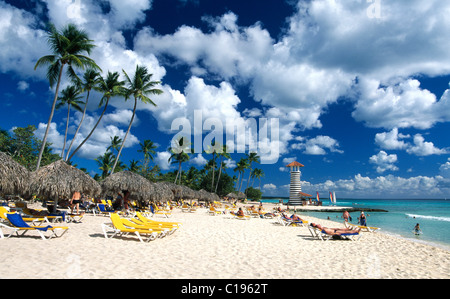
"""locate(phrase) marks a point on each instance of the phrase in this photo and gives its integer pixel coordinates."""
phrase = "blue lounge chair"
(18, 224)
(104, 210)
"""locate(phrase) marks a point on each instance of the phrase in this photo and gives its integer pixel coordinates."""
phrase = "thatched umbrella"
(14, 178)
(61, 180)
(176, 189)
(235, 195)
(162, 192)
(139, 187)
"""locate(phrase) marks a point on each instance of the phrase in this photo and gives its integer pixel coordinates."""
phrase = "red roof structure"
(295, 163)
(302, 194)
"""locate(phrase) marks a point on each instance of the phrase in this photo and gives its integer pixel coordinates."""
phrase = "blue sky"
(360, 88)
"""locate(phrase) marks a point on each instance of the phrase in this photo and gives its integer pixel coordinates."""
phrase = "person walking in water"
(417, 229)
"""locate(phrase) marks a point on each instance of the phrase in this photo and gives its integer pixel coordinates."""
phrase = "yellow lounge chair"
(363, 228)
(212, 211)
(18, 224)
(161, 231)
(118, 229)
(144, 219)
(157, 211)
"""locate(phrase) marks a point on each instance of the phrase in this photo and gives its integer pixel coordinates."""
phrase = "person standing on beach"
(346, 216)
(75, 201)
(362, 219)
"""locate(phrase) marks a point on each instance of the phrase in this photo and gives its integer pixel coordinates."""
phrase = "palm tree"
(222, 155)
(212, 149)
(241, 166)
(70, 96)
(140, 87)
(110, 87)
(252, 157)
(133, 166)
(68, 47)
(179, 155)
(257, 174)
(90, 81)
(105, 163)
(115, 142)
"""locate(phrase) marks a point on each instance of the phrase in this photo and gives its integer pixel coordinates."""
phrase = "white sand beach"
(218, 247)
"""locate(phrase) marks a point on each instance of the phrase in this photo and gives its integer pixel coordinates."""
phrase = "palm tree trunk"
(38, 164)
(248, 179)
(125, 138)
(220, 172)
(67, 128)
(242, 180)
(79, 126)
(92, 131)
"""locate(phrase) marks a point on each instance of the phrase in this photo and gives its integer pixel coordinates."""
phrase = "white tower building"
(296, 186)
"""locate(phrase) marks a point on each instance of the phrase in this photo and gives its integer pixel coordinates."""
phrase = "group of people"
(362, 220)
(79, 199)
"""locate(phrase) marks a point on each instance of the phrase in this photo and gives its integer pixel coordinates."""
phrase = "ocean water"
(433, 215)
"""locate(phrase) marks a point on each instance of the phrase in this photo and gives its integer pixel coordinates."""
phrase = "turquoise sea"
(433, 215)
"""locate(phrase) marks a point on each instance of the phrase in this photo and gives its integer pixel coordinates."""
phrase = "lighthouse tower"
(296, 186)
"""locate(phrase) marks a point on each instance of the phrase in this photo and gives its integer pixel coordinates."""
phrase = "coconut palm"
(133, 167)
(89, 82)
(140, 87)
(70, 96)
(252, 157)
(179, 155)
(115, 143)
(214, 150)
(110, 87)
(257, 174)
(241, 166)
(68, 46)
(148, 149)
(222, 155)
(104, 163)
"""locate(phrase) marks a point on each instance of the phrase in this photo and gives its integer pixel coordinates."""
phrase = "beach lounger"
(18, 224)
(363, 228)
(103, 210)
(53, 218)
(212, 211)
(160, 212)
(33, 220)
(289, 222)
(160, 231)
(187, 209)
(144, 219)
(322, 235)
(74, 217)
(118, 229)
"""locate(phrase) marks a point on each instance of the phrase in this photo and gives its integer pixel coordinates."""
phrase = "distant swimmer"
(417, 230)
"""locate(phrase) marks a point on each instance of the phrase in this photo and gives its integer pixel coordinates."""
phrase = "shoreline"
(219, 247)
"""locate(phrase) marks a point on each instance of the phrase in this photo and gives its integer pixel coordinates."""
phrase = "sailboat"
(333, 198)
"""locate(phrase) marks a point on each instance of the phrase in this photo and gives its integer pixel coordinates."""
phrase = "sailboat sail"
(334, 197)
(331, 197)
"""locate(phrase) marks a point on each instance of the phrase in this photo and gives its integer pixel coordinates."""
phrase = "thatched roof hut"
(161, 192)
(176, 189)
(235, 195)
(139, 187)
(14, 178)
(60, 180)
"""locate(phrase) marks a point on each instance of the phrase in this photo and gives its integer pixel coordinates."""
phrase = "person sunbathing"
(336, 231)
